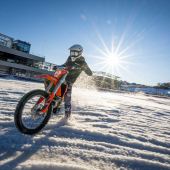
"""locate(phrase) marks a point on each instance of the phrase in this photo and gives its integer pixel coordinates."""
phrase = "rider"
(78, 64)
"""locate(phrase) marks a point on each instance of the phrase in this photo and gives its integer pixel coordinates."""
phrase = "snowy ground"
(107, 131)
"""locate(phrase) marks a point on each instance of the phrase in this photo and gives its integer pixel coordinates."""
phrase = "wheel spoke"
(30, 114)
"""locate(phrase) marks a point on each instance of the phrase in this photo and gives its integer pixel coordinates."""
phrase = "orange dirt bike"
(34, 109)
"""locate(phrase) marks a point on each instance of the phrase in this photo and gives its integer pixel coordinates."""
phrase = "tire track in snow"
(131, 132)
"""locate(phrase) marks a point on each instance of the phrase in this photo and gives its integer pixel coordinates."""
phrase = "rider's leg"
(67, 101)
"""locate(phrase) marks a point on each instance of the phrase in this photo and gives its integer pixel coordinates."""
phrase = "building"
(6, 40)
(15, 59)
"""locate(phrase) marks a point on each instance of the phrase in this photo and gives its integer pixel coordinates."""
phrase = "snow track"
(107, 131)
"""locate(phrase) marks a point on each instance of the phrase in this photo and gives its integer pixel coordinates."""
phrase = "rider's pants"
(67, 100)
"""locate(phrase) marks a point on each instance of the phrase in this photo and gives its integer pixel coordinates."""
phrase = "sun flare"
(112, 60)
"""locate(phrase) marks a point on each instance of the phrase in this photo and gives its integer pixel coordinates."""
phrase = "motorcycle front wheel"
(28, 117)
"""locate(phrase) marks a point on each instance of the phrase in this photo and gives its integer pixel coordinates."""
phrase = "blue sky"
(53, 26)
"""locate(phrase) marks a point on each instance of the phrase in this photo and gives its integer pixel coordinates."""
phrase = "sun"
(111, 61)
(114, 59)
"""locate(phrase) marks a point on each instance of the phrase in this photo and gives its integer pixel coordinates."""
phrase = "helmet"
(76, 50)
(76, 47)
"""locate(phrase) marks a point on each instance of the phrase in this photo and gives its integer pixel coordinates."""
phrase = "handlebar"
(65, 68)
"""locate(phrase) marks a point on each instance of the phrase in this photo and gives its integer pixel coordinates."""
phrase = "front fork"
(52, 94)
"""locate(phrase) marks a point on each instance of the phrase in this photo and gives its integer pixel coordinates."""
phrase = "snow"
(149, 90)
(107, 131)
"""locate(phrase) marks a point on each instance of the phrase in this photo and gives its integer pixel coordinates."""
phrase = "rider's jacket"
(78, 66)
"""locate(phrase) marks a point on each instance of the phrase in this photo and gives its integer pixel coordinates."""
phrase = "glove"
(55, 67)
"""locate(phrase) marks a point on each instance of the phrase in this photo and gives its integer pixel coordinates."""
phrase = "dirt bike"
(34, 108)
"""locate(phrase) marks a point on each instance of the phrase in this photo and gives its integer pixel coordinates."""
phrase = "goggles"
(74, 53)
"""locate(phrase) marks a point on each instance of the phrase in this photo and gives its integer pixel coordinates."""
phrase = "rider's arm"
(87, 69)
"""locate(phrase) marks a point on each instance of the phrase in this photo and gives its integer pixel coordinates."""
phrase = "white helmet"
(76, 47)
(76, 51)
